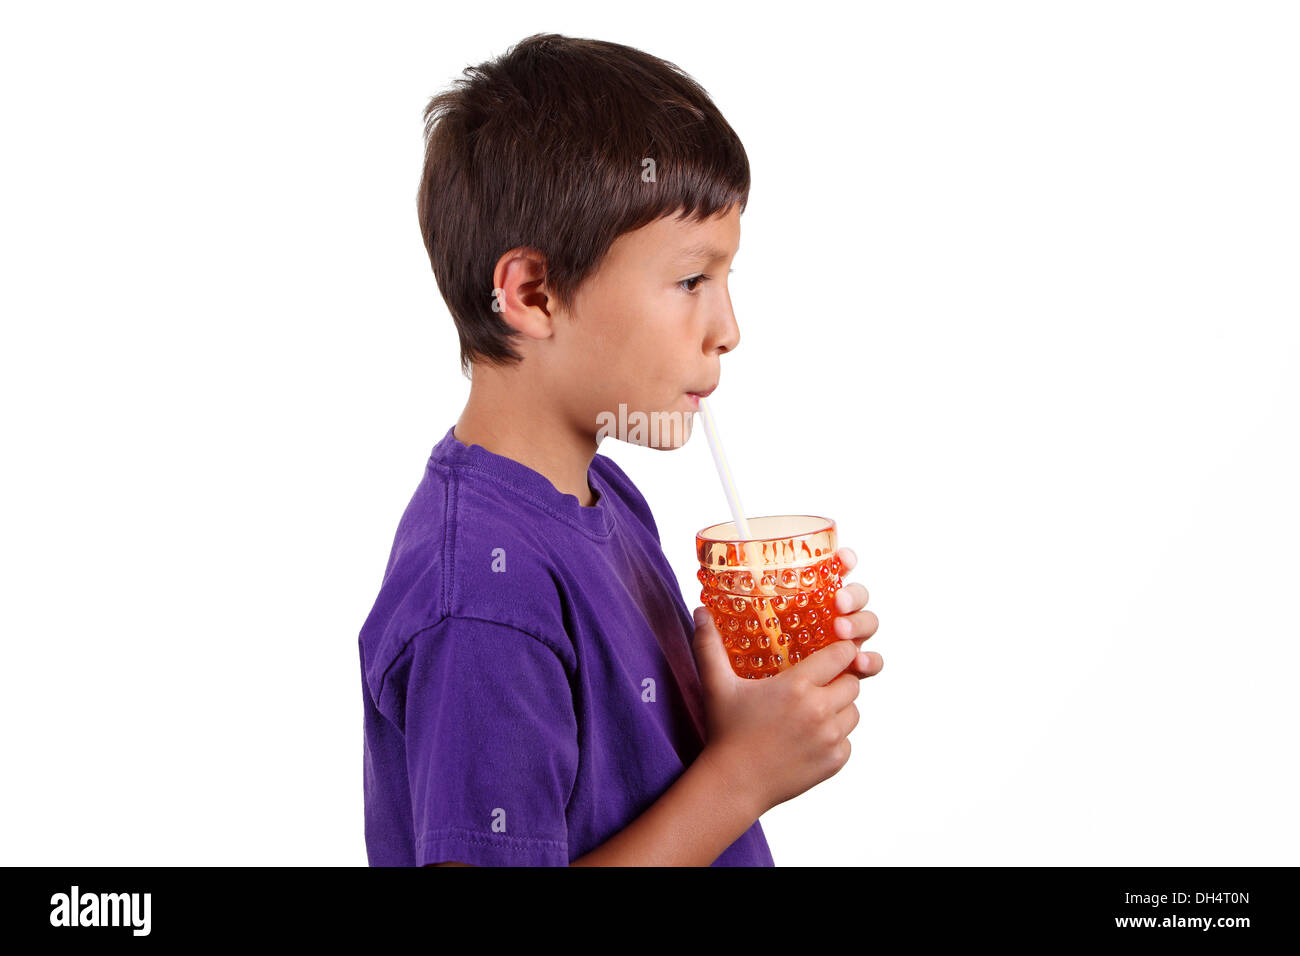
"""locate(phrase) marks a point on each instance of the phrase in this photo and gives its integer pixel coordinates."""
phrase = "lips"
(704, 394)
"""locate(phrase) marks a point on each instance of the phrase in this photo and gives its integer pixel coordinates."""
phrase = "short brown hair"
(545, 147)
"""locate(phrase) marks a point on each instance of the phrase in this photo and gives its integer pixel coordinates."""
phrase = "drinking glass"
(771, 596)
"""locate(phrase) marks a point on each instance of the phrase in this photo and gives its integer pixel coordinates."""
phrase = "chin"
(675, 430)
(666, 429)
(672, 443)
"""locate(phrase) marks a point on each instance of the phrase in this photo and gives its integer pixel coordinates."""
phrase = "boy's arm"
(694, 821)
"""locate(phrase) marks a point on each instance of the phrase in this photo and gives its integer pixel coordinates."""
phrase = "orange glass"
(772, 597)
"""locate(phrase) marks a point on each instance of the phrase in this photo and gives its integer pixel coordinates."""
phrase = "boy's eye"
(692, 289)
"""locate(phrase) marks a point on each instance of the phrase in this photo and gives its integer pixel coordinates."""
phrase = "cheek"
(643, 354)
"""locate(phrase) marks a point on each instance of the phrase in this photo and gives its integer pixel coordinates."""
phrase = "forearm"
(691, 824)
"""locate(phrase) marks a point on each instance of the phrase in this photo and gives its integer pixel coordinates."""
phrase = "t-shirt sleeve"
(491, 746)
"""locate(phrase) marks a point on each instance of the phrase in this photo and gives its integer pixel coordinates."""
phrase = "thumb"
(710, 654)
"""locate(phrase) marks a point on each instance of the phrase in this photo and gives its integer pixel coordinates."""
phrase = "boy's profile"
(535, 689)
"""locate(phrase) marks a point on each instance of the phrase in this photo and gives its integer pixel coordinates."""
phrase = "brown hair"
(545, 147)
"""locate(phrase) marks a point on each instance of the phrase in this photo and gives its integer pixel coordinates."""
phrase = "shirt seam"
(383, 680)
(449, 524)
(469, 835)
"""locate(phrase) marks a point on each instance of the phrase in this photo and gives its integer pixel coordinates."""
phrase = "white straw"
(724, 473)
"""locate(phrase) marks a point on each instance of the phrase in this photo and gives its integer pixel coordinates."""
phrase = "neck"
(503, 417)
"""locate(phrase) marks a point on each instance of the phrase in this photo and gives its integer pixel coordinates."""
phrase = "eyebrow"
(700, 252)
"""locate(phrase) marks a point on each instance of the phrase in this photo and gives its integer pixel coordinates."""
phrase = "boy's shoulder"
(460, 553)
(469, 547)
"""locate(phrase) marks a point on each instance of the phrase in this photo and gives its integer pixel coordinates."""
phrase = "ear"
(519, 292)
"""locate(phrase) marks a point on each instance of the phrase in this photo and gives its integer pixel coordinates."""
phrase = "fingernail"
(863, 660)
(842, 627)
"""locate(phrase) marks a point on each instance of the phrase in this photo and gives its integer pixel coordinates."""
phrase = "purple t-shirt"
(527, 671)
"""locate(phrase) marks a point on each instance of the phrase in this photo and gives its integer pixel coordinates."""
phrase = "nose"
(726, 333)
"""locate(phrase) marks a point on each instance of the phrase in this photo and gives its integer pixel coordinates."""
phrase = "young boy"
(535, 690)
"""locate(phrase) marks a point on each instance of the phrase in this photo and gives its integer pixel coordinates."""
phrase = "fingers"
(842, 691)
(710, 655)
(857, 626)
(846, 719)
(851, 597)
(852, 624)
(827, 663)
(867, 664)
(847, 558)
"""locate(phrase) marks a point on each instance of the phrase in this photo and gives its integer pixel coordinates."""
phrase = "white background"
(1035, 265)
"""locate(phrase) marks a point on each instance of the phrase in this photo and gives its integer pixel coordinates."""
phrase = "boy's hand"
(772, 739)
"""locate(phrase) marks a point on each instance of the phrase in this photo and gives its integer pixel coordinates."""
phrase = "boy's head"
(574, 192)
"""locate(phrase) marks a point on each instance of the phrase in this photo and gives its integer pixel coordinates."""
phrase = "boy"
(535, 690)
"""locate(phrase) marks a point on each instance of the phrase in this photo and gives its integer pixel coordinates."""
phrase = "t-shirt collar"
(532, 485)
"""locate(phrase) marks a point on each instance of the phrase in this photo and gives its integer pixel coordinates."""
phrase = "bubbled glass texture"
(771, 598)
